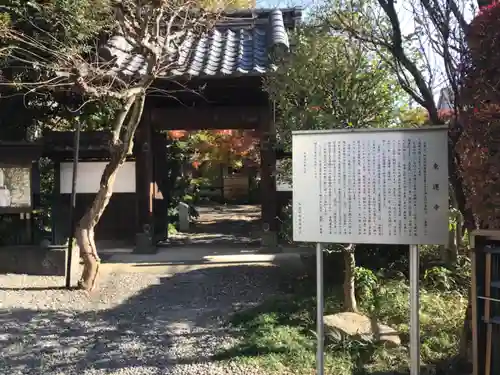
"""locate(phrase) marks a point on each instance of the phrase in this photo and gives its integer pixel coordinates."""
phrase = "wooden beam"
(161, 197)
(474, 313)
(19, 153)
(487, 314)
(201, 118)
(268, 182)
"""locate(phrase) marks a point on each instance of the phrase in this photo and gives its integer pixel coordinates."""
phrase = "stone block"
(269, 240)
(144, 244)
(37, 260)
(355, 324)
(183, 209)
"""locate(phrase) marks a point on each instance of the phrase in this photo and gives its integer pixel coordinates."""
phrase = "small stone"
(355, 324)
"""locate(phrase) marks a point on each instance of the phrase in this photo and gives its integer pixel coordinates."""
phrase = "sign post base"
(414, 311)
(320, 329)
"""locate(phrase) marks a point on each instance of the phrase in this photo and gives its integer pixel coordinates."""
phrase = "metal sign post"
(72, 207)
(414, 311)
(320, 328)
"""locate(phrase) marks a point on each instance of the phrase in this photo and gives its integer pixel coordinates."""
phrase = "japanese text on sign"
(371, 186)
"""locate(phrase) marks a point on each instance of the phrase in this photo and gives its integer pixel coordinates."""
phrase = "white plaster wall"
(89, 176)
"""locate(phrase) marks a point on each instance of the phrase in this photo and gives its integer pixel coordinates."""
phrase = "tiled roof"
(238, 45)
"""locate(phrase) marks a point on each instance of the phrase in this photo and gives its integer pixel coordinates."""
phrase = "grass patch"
(279, 335)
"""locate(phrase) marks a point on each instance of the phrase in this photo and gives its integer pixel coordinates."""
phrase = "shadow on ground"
(177, 321)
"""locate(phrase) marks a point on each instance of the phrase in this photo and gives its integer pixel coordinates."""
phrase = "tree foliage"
(424, 45)
(478, 144)
(332, 82)
(430, 56)
(58, 28)
(422, 42)
(229, 146)
(68, 27)
(412, 117)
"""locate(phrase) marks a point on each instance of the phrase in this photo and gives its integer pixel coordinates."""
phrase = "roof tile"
(228, 49)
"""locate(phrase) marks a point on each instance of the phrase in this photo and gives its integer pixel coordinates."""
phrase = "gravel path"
(220, 224)
(135, 324)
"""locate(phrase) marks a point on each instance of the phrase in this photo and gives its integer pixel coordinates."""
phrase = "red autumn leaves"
(478, 148)
(222, 145)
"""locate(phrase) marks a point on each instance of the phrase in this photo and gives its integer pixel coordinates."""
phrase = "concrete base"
(35, 260)
(185, 259)
(144, 244)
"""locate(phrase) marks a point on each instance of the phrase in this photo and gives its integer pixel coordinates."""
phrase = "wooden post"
(487, 314)
(57, 235)
(483, 273)
(144, 189)
(268, 184)
(160, 204)
(474, 313)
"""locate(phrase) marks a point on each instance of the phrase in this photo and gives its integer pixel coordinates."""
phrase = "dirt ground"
(135, 323)
(221, 224)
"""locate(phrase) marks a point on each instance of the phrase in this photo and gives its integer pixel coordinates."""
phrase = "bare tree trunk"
(453, 246)
(455, 234)
(449, 253)
(121, 146)
(443, 252)
(85, 231)
(459, 235)
(350, 303)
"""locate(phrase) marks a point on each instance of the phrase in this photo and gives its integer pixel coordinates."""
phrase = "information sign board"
(381, 186)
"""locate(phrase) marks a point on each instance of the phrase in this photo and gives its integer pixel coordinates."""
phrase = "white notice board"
(88, 178)
(381, 186)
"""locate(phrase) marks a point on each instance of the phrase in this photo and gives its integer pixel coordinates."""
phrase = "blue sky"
(278, 3)
(284, 3)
